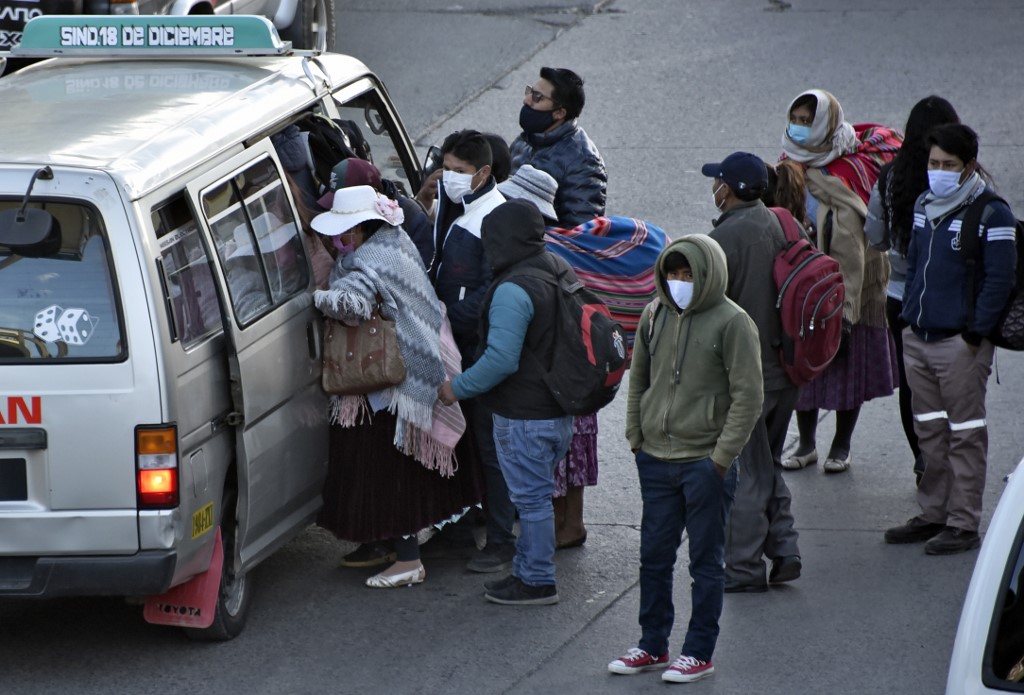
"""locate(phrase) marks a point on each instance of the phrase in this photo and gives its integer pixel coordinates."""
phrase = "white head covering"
(831, 136)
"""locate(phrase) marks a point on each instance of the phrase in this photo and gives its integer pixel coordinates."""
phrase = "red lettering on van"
(29, 416)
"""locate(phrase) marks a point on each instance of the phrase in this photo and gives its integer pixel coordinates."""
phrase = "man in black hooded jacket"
(531, 430)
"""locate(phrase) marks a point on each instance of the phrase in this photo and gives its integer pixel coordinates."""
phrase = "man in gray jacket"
(761, 523)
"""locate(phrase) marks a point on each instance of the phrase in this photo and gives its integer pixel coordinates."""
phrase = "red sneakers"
(637, 660)
(686, 669)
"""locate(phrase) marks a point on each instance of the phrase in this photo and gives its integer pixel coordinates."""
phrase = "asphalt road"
(670, 84)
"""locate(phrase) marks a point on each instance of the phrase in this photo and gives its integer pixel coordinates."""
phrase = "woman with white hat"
(392, 470)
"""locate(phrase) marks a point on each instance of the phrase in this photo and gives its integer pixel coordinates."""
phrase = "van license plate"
(13, 480)
(202, 521)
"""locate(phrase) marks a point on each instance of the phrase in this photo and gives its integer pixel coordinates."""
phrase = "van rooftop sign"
(149, 36)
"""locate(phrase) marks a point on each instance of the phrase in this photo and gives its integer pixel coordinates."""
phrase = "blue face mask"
(799, 134)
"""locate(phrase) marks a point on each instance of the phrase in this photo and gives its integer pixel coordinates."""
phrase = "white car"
(988, 654)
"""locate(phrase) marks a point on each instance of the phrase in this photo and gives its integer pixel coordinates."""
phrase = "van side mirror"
(433, 161)
(30, 232)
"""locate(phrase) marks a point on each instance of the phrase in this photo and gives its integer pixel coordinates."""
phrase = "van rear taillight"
(156, 463)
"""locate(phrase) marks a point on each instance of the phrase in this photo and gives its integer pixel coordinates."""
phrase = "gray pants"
(761, 523)
(948, 382)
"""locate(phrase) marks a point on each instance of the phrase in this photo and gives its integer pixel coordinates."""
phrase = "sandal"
(383, 581)
(835, 465)
(795, 462)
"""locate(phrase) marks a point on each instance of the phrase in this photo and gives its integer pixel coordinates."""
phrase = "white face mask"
(943, 183)
(714, 196)
(681, 291)
(457, 185)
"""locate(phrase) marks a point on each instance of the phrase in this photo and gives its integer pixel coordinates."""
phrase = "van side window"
(59, 299)
(1006, 641)
(370, 129)
(257, 239)
(188, 279)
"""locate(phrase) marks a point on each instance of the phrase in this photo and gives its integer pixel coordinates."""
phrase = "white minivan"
(161, 415)
(988, 653)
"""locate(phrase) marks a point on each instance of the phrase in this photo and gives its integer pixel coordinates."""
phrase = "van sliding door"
(246, 209)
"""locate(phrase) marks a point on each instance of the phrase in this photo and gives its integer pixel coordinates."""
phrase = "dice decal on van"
(73, 326)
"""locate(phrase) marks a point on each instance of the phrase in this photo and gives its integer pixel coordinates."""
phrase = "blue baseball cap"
(741, 171)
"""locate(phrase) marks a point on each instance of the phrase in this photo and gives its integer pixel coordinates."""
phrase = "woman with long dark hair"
(888, 224)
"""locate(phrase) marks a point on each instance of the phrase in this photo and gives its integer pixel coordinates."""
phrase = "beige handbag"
(363, 358)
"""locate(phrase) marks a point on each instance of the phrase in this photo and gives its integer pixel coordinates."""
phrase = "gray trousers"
(761, 523)
(948, 384)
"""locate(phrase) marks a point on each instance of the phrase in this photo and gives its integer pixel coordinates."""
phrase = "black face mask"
(534, 121)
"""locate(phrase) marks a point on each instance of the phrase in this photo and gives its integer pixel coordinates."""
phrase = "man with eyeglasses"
(553, 142)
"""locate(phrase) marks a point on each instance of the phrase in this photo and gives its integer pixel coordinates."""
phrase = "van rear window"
(57, 301)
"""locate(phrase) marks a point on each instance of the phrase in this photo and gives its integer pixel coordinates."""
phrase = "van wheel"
(308, 24)
(235, 593)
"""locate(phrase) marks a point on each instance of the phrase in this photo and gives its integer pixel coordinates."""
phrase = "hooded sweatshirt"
(518, 319)
(695, 385)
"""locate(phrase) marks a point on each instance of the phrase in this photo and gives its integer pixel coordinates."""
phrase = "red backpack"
(810, 303)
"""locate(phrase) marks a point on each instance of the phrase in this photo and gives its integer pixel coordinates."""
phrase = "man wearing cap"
(359, 172)
(761, 523)
(553, 141)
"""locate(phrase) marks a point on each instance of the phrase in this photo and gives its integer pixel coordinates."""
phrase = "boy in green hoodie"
(695, 392)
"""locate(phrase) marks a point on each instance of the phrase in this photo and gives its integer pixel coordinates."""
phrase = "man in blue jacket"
(948, 358)
(553, 142)
(531, 430)
(461, 275)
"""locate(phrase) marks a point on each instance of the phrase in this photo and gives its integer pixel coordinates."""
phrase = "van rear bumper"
(147, 572)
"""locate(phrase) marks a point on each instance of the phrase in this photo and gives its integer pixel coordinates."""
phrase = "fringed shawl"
(614, 257)
(387, 264)
(865, 270)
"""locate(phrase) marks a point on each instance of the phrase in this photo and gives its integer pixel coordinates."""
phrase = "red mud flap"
(193, 603)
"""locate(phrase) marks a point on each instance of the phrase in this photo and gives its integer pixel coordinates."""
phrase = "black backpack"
(328, 145)
(589, 355)
(1009, 330)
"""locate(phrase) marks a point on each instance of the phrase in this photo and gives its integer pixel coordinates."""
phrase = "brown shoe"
(916, 530)
(952, 540)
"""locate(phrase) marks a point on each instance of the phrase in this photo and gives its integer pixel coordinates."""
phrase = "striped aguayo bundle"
(877, 146)
(614, 257)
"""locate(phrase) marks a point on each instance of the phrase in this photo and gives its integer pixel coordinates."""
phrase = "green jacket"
(695, 384)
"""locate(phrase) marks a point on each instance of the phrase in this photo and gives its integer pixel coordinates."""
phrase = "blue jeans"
(528, 451)
(676, 496)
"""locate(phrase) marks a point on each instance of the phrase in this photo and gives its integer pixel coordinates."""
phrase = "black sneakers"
(952, 540)
(512, 591)
(785, 569)
(915, 530)
(496, 559)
